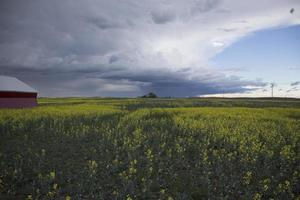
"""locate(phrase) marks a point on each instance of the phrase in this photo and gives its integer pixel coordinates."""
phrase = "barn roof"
(12, 84)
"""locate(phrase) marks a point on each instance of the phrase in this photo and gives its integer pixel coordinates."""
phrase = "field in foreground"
(151, 149)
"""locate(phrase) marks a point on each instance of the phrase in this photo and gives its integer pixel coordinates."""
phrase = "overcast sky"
(171, 47)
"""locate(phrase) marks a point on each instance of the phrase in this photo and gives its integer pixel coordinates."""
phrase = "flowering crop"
(141, 149)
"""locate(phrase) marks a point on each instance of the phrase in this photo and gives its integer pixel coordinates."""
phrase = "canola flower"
(150, 149)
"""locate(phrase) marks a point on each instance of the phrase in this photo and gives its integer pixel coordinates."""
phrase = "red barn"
(16, 94)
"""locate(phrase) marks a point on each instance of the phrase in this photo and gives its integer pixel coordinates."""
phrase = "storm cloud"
(128, 48)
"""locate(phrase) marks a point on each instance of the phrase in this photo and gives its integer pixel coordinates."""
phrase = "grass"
(91, 148)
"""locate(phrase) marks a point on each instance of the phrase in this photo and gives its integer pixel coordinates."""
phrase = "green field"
(92, 148)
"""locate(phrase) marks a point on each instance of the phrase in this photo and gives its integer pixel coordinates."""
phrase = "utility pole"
(272, 87)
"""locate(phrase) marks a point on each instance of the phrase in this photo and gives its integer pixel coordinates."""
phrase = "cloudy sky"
(171, 47)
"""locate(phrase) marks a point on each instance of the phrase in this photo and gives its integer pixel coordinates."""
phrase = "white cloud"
(132, 38)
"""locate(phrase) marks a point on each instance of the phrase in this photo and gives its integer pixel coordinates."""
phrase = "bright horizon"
(208, 48)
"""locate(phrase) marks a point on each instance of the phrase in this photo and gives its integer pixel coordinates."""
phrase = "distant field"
(137, 103)
(93, 148)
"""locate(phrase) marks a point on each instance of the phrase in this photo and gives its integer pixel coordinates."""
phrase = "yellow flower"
(247, 178)
(257, 196)
(68, 197)
(29, 197)
(52, 175)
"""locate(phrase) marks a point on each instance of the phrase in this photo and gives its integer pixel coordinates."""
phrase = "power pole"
(272, 87)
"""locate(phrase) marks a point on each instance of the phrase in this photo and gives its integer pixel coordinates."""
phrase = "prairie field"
(101, 148)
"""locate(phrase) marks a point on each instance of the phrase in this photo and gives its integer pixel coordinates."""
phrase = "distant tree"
(150, 95)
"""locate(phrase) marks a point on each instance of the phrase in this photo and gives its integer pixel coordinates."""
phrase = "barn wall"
(18, 102)
(4, 94)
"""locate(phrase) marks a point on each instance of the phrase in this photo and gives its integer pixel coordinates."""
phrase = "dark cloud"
(162, 17)
(119, 48)
(206, 6)
(55, 82)
(113, 59)
(295, 83)
(103, 23)
(295, 88)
